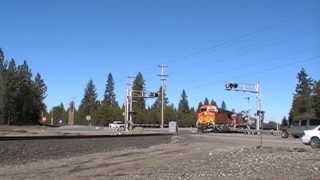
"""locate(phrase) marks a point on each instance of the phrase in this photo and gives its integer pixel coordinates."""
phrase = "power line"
(253, 74)
(224, 43)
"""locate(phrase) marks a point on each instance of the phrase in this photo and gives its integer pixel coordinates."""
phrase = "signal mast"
(249, 88)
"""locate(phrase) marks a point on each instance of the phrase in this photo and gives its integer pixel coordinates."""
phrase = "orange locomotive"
(210, 118)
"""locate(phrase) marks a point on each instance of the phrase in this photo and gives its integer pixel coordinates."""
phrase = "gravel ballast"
(21, 152)
(189, 156)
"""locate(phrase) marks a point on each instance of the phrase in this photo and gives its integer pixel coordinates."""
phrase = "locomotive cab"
(207, 117)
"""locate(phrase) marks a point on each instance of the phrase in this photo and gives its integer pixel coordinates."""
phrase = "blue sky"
(205, 43)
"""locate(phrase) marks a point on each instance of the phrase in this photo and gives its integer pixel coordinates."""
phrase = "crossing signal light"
(154, 94)
(230, 86)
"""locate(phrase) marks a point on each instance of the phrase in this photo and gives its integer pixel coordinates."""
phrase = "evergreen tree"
(223, 106)
(304, 86)
(89, 102)
(3, 65)
(40, 90)
(21, 97)
(2, 94)
(213, 103)
(302, 100)
(290, 117)
(11, 93)
(109, 95)
(25, 96)
(2, 86)
(316, 99)
(154, 115)
(157, 104)
(59, 113)
(284, 122)
(71, 111)
(139, 85)
(199, 106)
(184, 104)
(206, 101)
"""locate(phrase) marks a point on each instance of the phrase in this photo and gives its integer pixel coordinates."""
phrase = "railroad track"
(77, 136)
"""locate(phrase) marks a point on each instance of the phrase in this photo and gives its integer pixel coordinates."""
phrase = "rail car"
(212, 119)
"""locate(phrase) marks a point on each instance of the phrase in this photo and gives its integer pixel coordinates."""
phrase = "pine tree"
(157, 104)
(184, 104)
(109, 95)
(21, 97)
(304, 86)
(59, 113)
(2, 61)
(206, 101)
(223, 106)
(316, 98)
(139, 85)
(213, 103)
(2, 87)
(199, 106)
(2, 94)
(89, 102)
(25, 100)
(284, 122)
(11, 93)
(40, 90)
(302, 100)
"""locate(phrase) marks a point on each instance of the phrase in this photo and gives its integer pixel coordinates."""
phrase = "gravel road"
(189, 156)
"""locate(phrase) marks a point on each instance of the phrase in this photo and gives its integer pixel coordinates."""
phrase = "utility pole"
(71, 112)
(51, 117)
(258, 86)
(163, 78)
(128, 107)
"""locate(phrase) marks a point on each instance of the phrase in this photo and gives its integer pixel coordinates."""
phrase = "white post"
(126, 110)
(130, 108)
(259, 123)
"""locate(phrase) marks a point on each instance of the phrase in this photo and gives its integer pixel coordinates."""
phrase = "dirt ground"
(189, 156)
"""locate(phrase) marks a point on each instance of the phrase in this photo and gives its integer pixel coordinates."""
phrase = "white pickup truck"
(312, 137)
(116, 125)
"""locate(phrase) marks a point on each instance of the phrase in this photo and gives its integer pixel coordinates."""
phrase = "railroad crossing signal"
(231, 86)
(249, 88)
(131, 94)
(154, 94)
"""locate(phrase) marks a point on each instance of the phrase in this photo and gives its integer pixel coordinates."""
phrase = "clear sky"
(205, 43)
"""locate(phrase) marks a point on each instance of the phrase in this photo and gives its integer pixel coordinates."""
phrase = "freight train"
(212, 119)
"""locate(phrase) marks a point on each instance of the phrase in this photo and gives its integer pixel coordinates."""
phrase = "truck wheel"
(296, 136)
(284, 134)
(315, 142)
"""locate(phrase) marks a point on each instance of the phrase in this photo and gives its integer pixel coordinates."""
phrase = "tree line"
(306, 99)
(105, 111)
(22, 98)
(21, 94)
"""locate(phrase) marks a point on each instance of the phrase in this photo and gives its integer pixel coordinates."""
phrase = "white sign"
(172, 126)
(88, 118)
(44, 119)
